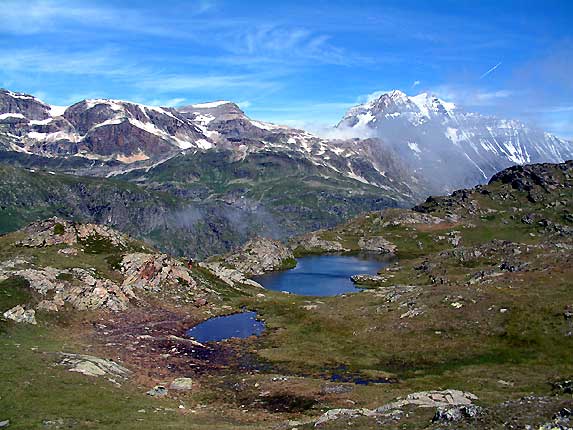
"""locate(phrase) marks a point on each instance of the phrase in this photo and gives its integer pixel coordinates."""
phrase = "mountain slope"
(448, 146)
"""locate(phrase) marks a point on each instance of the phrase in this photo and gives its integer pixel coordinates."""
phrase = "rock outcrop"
(81, 288)
(93, 366)
(376, 244)
(20, 315)
(152, 272)
(423, 399)
(260, 255)
(231, 277)
(57, 231)
(312, 243)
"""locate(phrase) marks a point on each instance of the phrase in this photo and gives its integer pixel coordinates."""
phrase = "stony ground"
(471, 327)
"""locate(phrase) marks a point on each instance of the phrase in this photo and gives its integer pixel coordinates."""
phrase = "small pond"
(323, 275)
(240, 325)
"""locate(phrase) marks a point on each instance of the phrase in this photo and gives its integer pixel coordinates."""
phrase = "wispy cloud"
(177, 83)
(101, 61)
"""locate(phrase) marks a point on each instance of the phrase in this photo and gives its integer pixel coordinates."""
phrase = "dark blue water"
(241, 325)
(323, 275)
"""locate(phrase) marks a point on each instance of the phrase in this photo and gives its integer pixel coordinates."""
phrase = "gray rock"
(336, 389)
(368, 279)
(422, 399)
(456, 413)
(376, 244)
(259, 255)
(181, 384)
(57, 231)
(21, 315)
(157, 391)
(93, 366)
(312, 242)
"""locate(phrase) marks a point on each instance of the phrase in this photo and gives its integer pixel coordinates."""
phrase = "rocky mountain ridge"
(124, 136)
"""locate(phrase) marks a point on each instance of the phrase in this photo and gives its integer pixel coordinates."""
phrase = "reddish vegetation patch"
(151, 341)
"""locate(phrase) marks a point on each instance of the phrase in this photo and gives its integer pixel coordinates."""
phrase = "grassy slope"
(471, 348)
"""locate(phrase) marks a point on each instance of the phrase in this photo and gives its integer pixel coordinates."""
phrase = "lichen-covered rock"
(93, 366)
(376, 244)
(21, 315)
(260, 255)
(57, 231)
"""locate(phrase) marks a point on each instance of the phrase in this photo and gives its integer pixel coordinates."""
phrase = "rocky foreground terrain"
(470, 327)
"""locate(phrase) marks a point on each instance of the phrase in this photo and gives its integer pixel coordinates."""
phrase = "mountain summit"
(451, 147)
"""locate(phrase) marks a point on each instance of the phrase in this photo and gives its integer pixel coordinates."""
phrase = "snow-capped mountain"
(447, 145)
(129, 136)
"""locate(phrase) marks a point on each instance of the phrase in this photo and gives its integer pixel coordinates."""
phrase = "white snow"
(22, 96)
(203, 144)
(204, 119)
(41, 122)
(112, 121)
(364, 119)
(452, 134)
(57, 110)
(12, 115)
(52, 137)
(210, 104)
(421, 102)
(115, 105)
(266, 125)
(414, 147)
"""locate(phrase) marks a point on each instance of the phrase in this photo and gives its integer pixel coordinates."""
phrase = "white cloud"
(173, 83)
(471, 97)
(415, 84)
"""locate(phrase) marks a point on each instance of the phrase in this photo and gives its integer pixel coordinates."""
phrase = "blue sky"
(301, 63)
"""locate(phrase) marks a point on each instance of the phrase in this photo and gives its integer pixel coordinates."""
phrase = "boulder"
(93, 366)
(157, 391)
(21, 315)
(181, 384)
(445, 414)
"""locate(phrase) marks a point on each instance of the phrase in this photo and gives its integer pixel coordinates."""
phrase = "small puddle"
(323, 275)
(216, 329)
